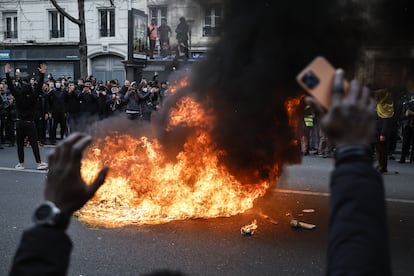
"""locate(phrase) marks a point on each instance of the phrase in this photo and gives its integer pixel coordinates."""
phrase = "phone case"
(317, 79)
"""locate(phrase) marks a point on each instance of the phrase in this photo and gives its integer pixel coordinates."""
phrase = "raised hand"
(7, 68)
(42, 68)
(64, 184)
(351, 119)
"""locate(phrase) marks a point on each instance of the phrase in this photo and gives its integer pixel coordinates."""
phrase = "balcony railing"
(57, 33)
(107, 32)
(10, 34)
(210, 31)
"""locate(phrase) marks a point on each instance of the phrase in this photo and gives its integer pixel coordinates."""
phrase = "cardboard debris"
(300, 224)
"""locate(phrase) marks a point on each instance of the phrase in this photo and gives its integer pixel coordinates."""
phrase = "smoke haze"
(248, 75)
(250, 72)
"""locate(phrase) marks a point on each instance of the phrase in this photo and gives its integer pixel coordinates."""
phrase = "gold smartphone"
(317, 80)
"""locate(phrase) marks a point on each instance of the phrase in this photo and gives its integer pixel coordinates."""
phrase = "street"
(212, 246)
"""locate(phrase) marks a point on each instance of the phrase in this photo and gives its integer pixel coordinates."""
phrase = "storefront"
(61, 60)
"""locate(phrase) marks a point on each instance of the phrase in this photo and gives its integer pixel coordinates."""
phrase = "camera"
(310, 80)
(409, 104)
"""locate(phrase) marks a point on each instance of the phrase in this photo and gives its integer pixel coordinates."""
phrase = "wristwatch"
(47, 214)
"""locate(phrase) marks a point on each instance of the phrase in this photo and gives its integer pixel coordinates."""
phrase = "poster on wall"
(138, 34)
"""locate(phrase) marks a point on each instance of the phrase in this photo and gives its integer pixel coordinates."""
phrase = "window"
(57, 24)
(107, 22)
(158, 13)
(212, 20)
(10, 24)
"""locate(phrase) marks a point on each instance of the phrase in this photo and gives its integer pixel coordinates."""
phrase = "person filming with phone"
(358, 233)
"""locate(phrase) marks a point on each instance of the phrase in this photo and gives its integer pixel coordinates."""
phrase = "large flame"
(145, 187)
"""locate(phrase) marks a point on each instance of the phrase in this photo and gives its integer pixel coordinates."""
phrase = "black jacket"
(26, 98)
(42, 251)
(358, 236)
(73, 105)
(88, 102)
(58, 99)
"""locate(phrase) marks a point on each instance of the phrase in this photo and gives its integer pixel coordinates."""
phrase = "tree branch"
(62, 11)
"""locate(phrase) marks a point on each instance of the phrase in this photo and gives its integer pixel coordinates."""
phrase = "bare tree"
(83, 48)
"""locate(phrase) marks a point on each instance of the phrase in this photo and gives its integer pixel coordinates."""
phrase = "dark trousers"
(10, 131)
(183, 47)
(152, 48)
(3, 127)
(408, 142)
(58, 118)
(381, 148)
(41, 129)
(73, 120)
(26, 129)
(165, 47)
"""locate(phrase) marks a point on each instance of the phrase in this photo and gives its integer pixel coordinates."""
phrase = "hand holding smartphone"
(317, 80)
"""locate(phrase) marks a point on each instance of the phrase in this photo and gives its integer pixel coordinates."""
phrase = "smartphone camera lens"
(310, 80)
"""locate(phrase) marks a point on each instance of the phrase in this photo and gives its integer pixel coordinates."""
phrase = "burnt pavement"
(212, 246)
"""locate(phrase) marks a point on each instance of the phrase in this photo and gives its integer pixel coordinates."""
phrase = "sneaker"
(42, 166)
(19, 166)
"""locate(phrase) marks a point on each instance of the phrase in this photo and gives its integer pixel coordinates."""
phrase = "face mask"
(145, 89)
(57, 85)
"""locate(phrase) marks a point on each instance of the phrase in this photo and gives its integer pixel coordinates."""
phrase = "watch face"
(46, 214)
(43, 212)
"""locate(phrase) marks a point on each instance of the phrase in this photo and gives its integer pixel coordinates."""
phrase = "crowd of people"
(394, 124)
(162, 34)
(65, 106)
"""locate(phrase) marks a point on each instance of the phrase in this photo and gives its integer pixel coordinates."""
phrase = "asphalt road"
(213, 246)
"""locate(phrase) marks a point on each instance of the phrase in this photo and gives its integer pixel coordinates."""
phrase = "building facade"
(34, 31)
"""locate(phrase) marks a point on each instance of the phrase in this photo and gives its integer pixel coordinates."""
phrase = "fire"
(189, 113)
(292, 106)
(178, 84)
(145, 187)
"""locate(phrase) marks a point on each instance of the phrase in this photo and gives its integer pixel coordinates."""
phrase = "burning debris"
(248, 230)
